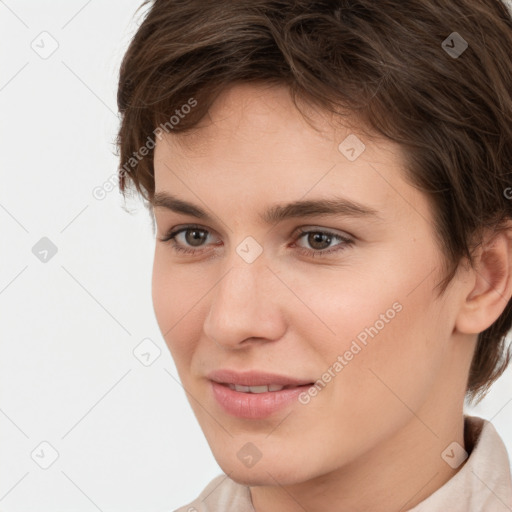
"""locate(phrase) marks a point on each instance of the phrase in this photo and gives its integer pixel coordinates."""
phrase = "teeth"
(275, 387)
(255, 389)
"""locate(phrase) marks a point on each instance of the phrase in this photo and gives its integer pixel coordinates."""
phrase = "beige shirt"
(483, 484)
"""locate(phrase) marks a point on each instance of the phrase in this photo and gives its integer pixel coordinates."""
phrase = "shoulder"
(221, 495)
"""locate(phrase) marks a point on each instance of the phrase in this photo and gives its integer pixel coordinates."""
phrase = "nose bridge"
(247, 274)
(242, 303)
(241, 289)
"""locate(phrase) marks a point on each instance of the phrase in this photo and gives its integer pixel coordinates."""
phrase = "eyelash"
(169, 238)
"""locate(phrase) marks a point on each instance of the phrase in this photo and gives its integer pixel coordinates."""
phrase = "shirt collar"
(484, 482)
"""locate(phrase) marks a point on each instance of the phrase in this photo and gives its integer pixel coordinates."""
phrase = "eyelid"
(332, 231)
(346, 240)
(173, 232)
(183, 227)
(299, 230)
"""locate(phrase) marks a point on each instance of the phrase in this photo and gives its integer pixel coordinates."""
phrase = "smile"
(255, 402)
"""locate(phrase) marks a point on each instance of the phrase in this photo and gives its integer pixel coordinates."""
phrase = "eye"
(318, 238)
(194, 236)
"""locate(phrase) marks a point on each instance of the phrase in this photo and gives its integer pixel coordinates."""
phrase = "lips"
(257, 389)
(255, 395)
(256, 379)
(255, 406)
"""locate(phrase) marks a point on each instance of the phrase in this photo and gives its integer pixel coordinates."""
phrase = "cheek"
(385, 325)
(344, 305)
(385, 376)
(396, 353)
(175, 296)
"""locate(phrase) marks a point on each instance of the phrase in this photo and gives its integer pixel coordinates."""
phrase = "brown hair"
(386, 61)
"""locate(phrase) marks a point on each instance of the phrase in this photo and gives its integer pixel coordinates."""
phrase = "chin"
(260, 477)
(263, 473)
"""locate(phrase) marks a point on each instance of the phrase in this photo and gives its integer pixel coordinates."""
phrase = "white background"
(124, 432)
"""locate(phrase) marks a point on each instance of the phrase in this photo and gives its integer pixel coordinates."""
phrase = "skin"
(382, 422)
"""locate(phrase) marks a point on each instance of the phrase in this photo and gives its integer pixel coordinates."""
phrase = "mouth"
(271, 388)
(256, 402)
(255, 381)
(255, 394)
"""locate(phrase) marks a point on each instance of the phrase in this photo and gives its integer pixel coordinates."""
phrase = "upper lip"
(254, 378)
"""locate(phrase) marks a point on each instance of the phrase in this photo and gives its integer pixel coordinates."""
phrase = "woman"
(330, 185)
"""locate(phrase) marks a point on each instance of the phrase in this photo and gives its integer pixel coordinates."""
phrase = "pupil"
(318, 238)
(197, 236)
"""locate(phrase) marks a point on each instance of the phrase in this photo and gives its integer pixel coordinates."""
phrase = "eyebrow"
(339, 206)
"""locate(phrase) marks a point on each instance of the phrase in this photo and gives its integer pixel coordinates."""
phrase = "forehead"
(263, 111)
(256, 146)
(255, 123)
(243, 106)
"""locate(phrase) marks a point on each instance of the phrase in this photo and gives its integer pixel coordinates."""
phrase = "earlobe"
(492, 288)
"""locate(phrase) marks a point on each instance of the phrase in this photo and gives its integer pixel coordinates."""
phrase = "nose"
(246, 307)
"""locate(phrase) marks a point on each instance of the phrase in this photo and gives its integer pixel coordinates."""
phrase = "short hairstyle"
(386, 62)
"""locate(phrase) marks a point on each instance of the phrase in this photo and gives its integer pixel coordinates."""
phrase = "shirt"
(483, 484)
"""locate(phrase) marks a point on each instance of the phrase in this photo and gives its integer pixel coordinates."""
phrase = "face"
(345, 300)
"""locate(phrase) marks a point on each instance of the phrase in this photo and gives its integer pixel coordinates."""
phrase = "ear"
(489, 286)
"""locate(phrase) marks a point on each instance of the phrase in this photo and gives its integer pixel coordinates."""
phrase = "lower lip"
(254, 405)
